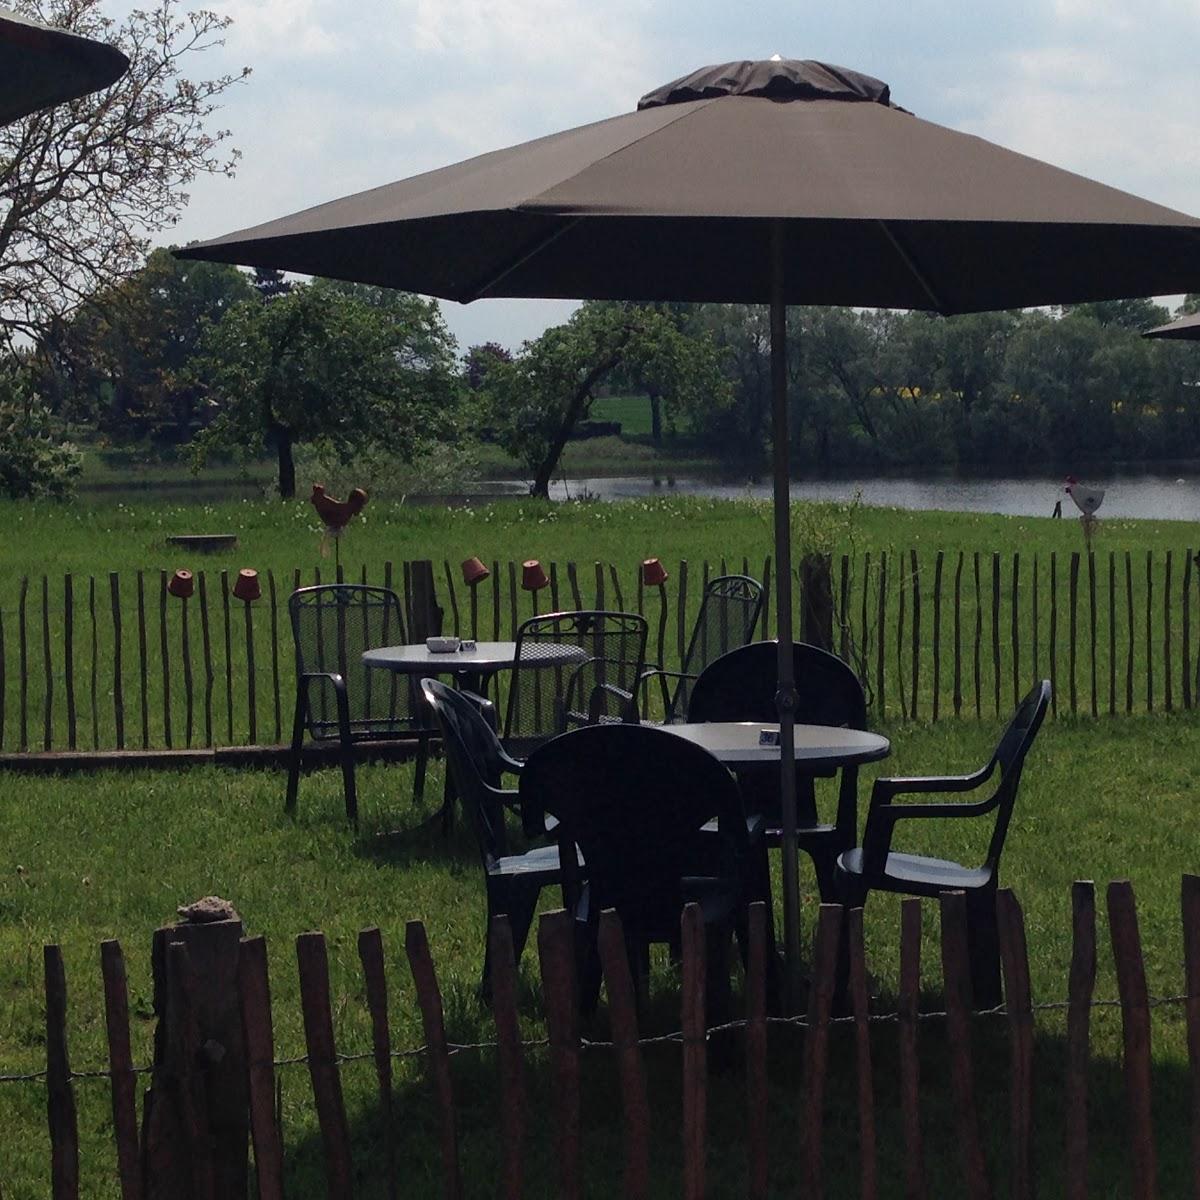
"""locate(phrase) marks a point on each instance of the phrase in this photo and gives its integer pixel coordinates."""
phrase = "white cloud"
(283, 29)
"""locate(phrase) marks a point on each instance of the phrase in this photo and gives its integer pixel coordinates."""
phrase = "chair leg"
(422, 763)
(348, 784)
(293, 781)
(983, 948)
(824, 861)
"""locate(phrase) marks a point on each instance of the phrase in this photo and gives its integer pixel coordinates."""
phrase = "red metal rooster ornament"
(336, 514)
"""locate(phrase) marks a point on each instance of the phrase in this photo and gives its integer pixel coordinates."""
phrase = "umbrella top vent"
(776, 79)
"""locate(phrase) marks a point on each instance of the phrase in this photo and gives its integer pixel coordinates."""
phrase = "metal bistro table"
(468, 667)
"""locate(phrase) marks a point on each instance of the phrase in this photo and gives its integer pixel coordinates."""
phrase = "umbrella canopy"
(781, 182)
(1186, 329)
(41, 66)
(676, 202)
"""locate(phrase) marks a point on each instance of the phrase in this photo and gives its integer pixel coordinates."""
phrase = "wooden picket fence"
(89, 665)
(191, 1107)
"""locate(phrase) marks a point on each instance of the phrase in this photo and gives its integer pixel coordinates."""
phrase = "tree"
(479, 361)
(1138, 315)
(123, 362)
(339, 365)
(269, 282)
(83, 185)
(35, 459)
(535, 400)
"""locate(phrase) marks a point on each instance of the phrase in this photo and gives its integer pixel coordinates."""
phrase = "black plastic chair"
(478, 762)
(640, 804)
(337, 697)
(728, 616)
(741, 686)
(572, 669)
(874, 866)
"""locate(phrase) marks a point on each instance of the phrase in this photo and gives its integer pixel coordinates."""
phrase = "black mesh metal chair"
(741, 686)
(874, 866)
(337, 697)
(728, 616)
(478, 762)
(636, 801)
(572, 669)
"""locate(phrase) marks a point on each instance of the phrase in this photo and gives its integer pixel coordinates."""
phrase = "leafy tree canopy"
(341, 366)
(83, 185)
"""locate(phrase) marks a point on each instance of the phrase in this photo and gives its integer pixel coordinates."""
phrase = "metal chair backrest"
(572, 669)
(473, 754)
(1010, 755)
(634, 798)
(332, 625)
(741, 686)
(727, 619)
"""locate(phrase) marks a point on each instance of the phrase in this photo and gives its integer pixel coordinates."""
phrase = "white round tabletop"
(486, 658)
(738, 743)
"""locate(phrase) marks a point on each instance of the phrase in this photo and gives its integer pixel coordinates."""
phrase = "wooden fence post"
(622, 1008)
(756, 1053)
(1135, 1027)
(910, 1063)
(60, 1095)
(120, 1065)
(695, 1051)
(370, 954)
(1079, 1006)
(1189, 904)
(556, 951)
(816, 590)
(313, 962)
(1018, 1000)
(254, 991)
(511, 1058)
(957, 976)
(429, 997)
(816, 1046)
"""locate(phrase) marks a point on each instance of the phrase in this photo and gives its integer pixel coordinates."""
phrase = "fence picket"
(816, 1047)
(1149, 631)
(957, 975)
(206, 650)
(902, 585)
(910, 1064)
(622, 1009)
(958, 635)
(254, 992)
(1092, 628)
(860, 1004)
(978, 639)
(1168, 685)
(93, 673)
(1016, 627)
(120, 1066)
(1129, 636)
(511, 1059)
(1189, 905)
(114, 588)
(1054, 632)
(23, 651)
(1018, 1001)
(882, 627)
(495, 600)
(165, 655)
(1185, 666)
(313, 962)
(916, 633)
(63, 1122)
(370, 955)
(1080, 985)
(1073, 630)
(274, 602)
(556, 952)
(47, 670)
(429, 997)
(695, 1049)
(1112, 633)
(1135, 1029)
(996, 630)
(937, 632)
(756, 1053)
(69, 657)
(229, 654)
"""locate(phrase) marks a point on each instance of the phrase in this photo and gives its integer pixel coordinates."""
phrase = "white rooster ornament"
(1087, 500)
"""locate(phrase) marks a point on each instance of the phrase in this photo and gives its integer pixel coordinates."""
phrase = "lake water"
(1174, 497)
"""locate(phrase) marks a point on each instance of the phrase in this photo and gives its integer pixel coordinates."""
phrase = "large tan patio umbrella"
(41, 66)
(780, 182)
(1186, 329)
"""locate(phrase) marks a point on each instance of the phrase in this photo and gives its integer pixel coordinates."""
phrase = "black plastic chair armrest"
(662, 675)
(883, 814)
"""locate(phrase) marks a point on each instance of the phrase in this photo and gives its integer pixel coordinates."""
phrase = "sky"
(346, 96)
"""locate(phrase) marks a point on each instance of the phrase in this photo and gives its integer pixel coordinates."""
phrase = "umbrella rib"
(515, 264)
(912, 267)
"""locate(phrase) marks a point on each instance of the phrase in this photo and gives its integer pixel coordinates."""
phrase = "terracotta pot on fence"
(181, 584)
(533, 578)
(474, 572)
(247, 586)
(654, 574)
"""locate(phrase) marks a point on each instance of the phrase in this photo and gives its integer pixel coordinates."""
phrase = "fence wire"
(675, 1037)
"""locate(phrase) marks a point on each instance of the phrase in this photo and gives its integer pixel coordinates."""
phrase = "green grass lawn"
(111, 855)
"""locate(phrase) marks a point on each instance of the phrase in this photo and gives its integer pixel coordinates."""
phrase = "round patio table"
(820, 749)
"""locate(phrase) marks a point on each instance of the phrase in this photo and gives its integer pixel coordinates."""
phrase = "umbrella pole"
(785, 697)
